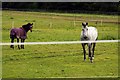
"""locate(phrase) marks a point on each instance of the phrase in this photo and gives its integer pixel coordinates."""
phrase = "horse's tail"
(12, 33)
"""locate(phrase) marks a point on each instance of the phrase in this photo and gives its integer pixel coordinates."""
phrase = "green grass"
(59, 61)
(58, 26)
(40, 61)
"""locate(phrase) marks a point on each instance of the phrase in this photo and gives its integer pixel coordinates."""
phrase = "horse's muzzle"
(31, 30)
(85, 37)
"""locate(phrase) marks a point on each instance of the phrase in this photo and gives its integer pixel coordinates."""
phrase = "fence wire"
(61, 42)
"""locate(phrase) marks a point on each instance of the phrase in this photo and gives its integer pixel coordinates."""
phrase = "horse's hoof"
(93, 58)
(12, 47)
(22, 48)
(91, 61)
(84, 59)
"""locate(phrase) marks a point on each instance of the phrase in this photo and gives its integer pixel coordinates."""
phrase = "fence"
(62, 42)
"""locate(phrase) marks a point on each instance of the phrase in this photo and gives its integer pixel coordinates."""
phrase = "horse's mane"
(27, 26)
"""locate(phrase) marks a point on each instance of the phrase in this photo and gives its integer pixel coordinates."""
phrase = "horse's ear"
(83, 24)
(32, 23)
(86, 23)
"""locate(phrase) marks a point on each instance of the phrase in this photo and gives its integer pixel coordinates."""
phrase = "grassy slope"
(58, 60)
(60, 27)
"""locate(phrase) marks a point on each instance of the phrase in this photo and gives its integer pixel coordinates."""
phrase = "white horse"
(88, 34)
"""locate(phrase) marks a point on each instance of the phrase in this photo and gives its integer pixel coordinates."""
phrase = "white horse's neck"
(91, 33)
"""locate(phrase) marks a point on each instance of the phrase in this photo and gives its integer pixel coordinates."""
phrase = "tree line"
(64, 6)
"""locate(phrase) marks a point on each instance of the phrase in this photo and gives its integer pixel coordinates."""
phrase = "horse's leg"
(84, 51)
(89, 47)
(21, 44)
(12, 41)
(18, 44)
(93, 49)
(22, 41)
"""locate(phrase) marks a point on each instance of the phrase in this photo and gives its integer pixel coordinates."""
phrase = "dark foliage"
(64, 6)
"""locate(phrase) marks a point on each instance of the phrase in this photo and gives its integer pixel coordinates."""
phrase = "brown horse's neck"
(25, 27)
(26, 30)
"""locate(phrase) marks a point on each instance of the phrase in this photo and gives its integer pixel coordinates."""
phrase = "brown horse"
(20, 33)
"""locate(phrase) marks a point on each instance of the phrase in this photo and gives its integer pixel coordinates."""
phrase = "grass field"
(66, 60)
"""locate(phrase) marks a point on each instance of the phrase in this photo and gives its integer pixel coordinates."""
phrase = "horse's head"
(85, 30)
(28, 27)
